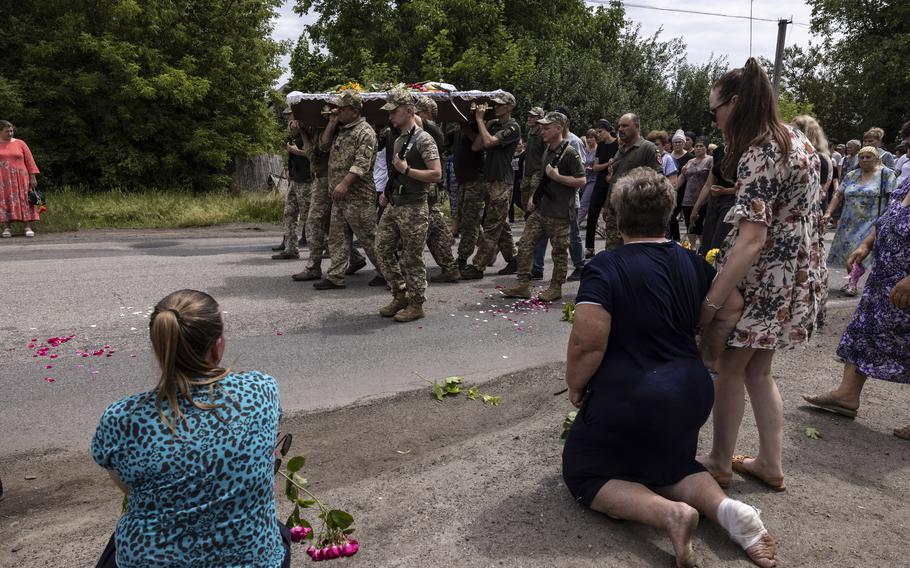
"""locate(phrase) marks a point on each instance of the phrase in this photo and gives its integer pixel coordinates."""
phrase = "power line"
(683, 11)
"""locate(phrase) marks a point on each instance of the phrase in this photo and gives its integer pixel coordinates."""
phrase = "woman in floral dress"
(874, 343)
(864, 193)
(771, 256)
(17, 176)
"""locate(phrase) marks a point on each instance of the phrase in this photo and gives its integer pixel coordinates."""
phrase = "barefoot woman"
(633, 370)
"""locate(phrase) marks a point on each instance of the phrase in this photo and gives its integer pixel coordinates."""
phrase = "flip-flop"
(724, 480)
(825, 402)
(775, 483)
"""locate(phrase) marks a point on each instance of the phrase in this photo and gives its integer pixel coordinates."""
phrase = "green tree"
(125, 93)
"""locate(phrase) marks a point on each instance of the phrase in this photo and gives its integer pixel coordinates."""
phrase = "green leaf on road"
(491, 400)
(813, 433)
(339, 519)
(472, 393)
(296, 463)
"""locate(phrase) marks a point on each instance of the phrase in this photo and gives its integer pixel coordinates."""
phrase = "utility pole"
(779, 55)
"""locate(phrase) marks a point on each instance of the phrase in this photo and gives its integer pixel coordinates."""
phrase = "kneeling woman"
(634, 372)
(194, 455)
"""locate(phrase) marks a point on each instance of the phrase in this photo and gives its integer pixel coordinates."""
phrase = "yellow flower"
(351, 85)
(712, 255)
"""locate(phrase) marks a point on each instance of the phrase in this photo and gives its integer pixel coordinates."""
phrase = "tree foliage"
(123, 93)
(546, 52)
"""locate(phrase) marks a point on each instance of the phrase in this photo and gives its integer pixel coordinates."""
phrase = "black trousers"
(595, 208)
(109, 556)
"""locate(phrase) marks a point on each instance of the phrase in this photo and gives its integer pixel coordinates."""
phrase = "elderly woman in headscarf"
(864, 193)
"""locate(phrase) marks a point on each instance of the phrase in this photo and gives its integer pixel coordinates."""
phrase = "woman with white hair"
(864, 193)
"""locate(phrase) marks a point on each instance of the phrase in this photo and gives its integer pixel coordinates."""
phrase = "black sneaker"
(471, 273)
(377, 280)
(326, 284)
(575, 276)
(286, 256)
(302, 241)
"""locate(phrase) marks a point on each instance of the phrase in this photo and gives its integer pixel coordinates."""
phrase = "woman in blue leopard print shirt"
(194, 455)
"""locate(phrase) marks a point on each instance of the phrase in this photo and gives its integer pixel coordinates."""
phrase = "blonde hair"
(183, 328)
(643, 200)
(871, 150)
(875, 132)
(814, 132)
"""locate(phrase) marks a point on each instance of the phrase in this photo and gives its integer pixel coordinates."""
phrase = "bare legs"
(740, 370)
(675, 509)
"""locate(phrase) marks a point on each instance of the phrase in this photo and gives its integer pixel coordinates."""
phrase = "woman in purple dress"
(874, 343)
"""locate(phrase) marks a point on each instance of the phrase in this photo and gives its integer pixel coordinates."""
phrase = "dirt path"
(464, 484)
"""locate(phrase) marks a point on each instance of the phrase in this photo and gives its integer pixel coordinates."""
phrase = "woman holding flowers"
(194, 454)
(771, 257)
(18, 176)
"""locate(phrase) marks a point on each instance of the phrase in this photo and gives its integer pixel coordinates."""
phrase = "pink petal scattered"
(50, 379)
(48, 366)
(279, 333)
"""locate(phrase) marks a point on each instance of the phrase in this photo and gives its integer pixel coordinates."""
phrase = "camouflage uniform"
(403, 227)
(640, 153)
(439, 232)
(296, 206)
(534, 150)
(353, 150)
(319, 215)
(552, 215)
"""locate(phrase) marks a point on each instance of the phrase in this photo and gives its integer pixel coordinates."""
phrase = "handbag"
(35, 197)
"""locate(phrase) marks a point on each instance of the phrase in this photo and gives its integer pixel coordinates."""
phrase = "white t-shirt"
(669, 165)
(380, 171)
(902, 169)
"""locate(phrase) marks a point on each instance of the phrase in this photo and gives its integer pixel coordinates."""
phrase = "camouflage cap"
(426, 104)
(537, 112)
(503, 98)
(554, 117)
(349, 97)
(397, 98)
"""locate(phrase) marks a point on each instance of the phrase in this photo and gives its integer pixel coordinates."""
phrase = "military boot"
(470, 272)
(522, 290)
(307, 275)
(451, 275)
(398, 303)
(551, 294)
(414, 311)
(510, 268)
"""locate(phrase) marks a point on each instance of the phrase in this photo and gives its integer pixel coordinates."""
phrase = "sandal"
(739, 466)
(724, 480)
(902, 433)
(7, 234)
(827, 402)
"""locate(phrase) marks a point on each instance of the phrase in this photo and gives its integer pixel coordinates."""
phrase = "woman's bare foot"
(681, 525)
(764, 552)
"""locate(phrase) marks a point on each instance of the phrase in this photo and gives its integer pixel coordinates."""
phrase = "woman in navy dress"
(643, 393)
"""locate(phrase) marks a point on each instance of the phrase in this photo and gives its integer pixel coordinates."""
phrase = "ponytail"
(183, 328)
(755, 118)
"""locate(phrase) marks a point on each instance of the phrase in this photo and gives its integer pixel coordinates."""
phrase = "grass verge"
(72, 209)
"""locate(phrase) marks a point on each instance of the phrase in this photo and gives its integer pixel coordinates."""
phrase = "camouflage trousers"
(317, 226)
(528, 186)
(538, 226)
(357, 214)
(296, 207)
(439, 238)
(484, 214)
(400, 239)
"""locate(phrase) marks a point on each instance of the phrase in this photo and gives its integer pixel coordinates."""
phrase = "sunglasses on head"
(282, 448)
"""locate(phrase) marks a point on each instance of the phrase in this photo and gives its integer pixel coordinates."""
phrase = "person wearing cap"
(439, 233)
(606, 149)
(576, 251)
(534, 150)
(319, 216)
(498, 138)
(634, 152)
(300, 180)
(351, 184)
(551, 209)
(403, 227)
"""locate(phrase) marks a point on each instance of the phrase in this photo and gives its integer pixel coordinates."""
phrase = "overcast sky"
(703, 35)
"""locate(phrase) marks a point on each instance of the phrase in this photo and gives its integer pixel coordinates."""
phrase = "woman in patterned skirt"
(771, 256)
(874, 343)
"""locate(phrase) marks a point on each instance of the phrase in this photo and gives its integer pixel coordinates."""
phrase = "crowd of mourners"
(664, 334)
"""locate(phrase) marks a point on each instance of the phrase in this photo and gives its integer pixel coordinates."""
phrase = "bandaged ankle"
(741, 521)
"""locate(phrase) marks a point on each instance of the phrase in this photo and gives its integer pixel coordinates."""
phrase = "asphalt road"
(327, 349)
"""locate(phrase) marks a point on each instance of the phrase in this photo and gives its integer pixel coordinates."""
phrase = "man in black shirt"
(606, 149)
